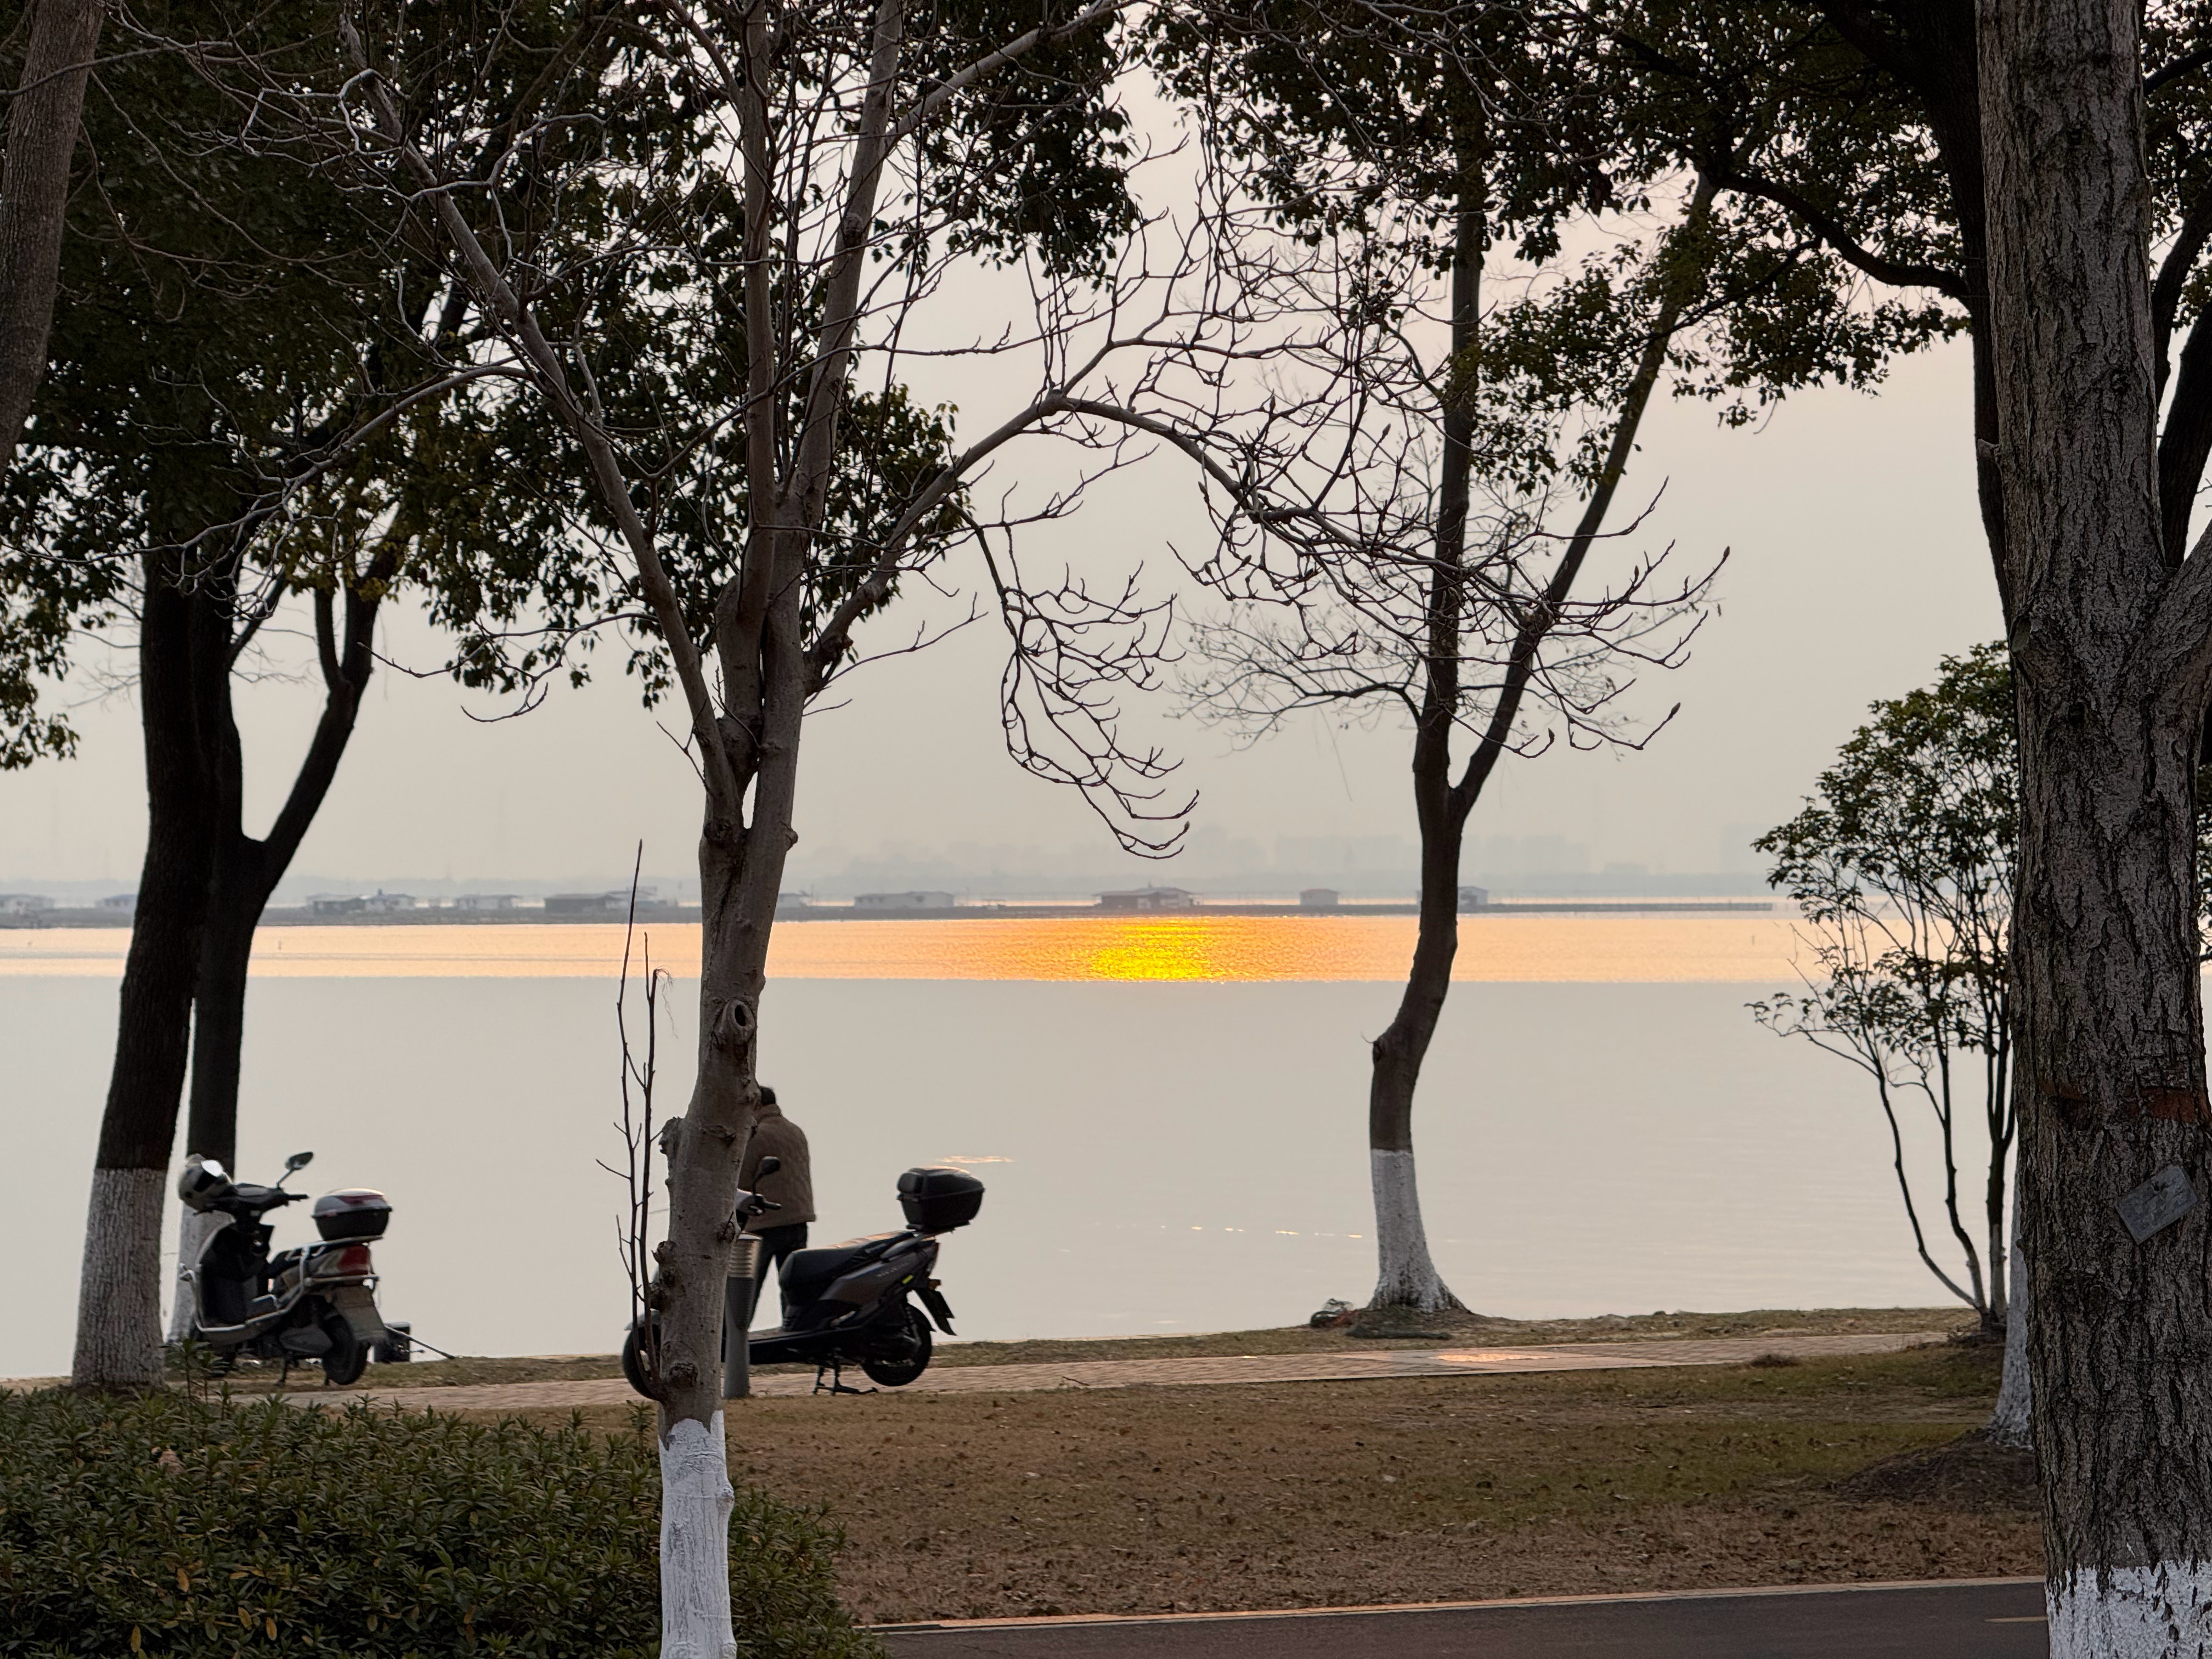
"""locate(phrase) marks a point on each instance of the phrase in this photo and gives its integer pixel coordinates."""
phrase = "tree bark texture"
(43, 121)
(118, 1322)
(695, 1501)
(2111, 1074)
(119, 1337)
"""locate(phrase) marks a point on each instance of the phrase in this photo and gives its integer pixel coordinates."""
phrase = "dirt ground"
(1404, 1490)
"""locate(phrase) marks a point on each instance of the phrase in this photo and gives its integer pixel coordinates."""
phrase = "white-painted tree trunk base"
(193, 1229)
(1406, 1277)
(2163, 1611)
(118, 1299)
(696, 1500)
(2011, 1423)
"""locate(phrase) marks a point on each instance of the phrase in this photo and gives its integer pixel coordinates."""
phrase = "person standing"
(783, 1231)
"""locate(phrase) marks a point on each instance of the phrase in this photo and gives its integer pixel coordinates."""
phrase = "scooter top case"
(936, 1200)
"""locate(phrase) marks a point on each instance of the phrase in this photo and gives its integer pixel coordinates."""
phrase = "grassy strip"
(1327, 1493)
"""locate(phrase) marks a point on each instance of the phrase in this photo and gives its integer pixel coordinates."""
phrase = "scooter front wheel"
(896, 1357)
(633, 1358)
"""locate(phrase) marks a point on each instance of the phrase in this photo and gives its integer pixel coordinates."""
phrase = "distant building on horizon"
(120, 901)
(1474, 898)
(586, 904)
(1149, 898)
(919, 898)
(485, 901)
(24, 904)
(1318, 898)
(613, 904)
(384, 904)
(338, 904)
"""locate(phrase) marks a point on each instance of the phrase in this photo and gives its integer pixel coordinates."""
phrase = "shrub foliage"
(189, 1526)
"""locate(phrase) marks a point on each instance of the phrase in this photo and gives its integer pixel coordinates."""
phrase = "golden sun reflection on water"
(1554, 949)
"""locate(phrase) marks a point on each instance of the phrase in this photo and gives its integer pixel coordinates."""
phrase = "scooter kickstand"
(837, 1383)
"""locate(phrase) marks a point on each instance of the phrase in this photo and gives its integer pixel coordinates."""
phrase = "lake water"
(1169, 1115)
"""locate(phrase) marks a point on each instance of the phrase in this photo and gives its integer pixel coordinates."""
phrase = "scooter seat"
(807, 1274)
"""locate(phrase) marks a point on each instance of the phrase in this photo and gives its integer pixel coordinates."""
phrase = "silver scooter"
(314, 1301)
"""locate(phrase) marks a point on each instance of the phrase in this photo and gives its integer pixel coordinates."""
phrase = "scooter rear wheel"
(349, 1355)
(896, 1357)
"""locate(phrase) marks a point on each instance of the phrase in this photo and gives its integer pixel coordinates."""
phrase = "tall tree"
(853, 156)
(1902, 869)
(244, 412)
(39, 607)
(1912, 155)
(44, 121)
(2111, 632)
(1439, 143)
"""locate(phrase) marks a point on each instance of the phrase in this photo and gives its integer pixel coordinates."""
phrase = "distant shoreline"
(663, 913)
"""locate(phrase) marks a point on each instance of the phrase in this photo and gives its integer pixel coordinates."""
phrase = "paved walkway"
(1333, 1367)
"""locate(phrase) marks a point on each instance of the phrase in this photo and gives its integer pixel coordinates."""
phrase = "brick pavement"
(1332, 1367)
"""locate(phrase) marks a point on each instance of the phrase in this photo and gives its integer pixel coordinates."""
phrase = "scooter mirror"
(215, 1170)
(298, 1161)
(768, 1166)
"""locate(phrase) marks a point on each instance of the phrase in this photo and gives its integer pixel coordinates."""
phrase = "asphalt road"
(1987, 1620)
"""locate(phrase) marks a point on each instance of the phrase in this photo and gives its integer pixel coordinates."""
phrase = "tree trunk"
(239, 894)
(43, 121)
(740, 872)
(118, 1329)
(218, 1038)
(2112, 1039)
(1406, 1277)
(245, 872)
(2111, 1076)
(703, 1148)
(2004, 1245)
(2012, 1422)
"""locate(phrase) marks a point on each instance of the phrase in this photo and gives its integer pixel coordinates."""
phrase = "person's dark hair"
(767, 1096)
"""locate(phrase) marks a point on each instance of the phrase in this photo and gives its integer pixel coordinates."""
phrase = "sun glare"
(1164, 949)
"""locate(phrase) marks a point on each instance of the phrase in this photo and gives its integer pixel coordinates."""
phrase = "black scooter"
(847, 1304)
(314, 1301)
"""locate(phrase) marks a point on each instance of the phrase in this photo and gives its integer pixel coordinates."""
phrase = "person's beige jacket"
(776, 1136)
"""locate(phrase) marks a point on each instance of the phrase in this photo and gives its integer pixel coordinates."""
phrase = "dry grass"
(1319, 1493)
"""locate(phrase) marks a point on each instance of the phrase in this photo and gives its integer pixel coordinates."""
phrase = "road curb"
(1090, 1619)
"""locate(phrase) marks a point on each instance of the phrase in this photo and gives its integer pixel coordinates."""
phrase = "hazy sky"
(1856, 560)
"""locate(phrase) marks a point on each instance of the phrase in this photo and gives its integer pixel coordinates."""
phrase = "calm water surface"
(1169, 1115)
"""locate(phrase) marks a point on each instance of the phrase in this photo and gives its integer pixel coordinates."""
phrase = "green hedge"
(176, 1526)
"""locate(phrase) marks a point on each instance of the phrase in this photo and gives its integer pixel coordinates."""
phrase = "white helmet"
(204, 1181)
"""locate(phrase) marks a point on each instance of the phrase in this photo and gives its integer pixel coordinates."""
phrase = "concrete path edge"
(1088, 1619)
